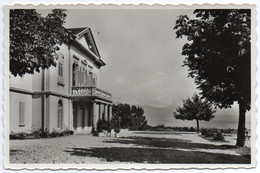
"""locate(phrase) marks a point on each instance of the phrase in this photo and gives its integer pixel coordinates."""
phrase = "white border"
(130, 166)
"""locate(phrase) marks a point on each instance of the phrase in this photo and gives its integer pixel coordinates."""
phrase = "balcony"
(60, 81)
(91, 92)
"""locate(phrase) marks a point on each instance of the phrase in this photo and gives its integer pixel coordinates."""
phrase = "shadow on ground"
(211, 139)
(162, 150)
(151, 155)
(167, 143)
(160, 132)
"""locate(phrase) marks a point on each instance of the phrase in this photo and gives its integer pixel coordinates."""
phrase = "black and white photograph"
(105, 86)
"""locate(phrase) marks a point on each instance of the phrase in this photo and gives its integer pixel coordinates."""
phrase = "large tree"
(129, 116)
(218, 55)
(34, 39)
(195, 108)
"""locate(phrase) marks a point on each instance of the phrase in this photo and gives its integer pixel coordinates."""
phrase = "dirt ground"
(132, 147)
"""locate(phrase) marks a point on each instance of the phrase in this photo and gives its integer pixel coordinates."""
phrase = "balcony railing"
(61, 80)
(90, 91)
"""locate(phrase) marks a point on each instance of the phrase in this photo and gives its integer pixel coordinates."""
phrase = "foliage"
(104, 125)
(100, 125)
(115, 123)
(117, 129)
(45, 133)
(218, 57)
(34, 39)
(68, 132)
(195, 108)
(39, 134)
(185, 129)
(218, 136)
(108, 126)
(20, 135)
(129, 116)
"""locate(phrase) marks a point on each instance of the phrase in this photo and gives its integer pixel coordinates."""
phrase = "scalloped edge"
(9, 166)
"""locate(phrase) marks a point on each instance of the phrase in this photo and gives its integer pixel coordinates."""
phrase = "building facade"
(67, 96)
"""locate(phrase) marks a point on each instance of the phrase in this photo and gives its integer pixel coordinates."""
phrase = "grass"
(163, 150)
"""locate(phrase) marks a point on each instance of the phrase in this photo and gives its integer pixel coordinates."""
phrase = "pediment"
(85, 37)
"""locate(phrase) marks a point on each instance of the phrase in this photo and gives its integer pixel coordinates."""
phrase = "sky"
(143, 56)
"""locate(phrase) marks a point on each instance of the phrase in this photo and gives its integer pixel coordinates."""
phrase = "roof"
(76, 31)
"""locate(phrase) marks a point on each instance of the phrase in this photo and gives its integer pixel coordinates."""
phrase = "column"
(95, 114)
(105, 112)
(86, 114)
(70, 118)
(99, 111)
(110, 112)
(79, 116)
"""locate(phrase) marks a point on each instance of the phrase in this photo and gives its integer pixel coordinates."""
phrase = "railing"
(61, 80)
(90, 91)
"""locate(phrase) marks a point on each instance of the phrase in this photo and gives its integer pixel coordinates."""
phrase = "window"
(60, 115)
(80, 76)
(86, 78)
(21, 113)
(60, 72)
(90, 79)
(94, 79)
(74, 71)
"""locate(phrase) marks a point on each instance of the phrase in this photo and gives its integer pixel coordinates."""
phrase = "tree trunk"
(241, 125)
(198, 127)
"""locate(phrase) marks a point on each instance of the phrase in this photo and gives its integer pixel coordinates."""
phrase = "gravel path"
(61, 149)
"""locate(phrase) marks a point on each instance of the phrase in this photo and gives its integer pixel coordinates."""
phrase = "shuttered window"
(60, 71)
(86, 78)
(21, 113)
(60, 115)
(94, 80)
(90, 79)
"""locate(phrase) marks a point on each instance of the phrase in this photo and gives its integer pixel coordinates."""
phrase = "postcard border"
(6, 120)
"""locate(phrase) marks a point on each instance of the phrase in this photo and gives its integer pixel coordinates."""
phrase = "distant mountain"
(159, 115)
(225, 118)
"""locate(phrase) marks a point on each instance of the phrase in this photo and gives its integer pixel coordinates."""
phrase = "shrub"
(93, 131)
(203, 131)
(39, 134)
(115, 125)
(104, 125)
(54, 134)
(108, 126)
(209, 134)
(45, 133)
(68, 132)
(218, 136)
(192, 129)
(100, 125)
(20, 135)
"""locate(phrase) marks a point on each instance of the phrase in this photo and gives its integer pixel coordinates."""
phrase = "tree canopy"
(217, 55)
(34, 39)
(195, 108)
(129, 116)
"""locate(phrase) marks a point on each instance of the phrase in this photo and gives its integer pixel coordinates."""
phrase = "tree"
(195, 108)
(218, 57)
(129, 116)
(34, 40)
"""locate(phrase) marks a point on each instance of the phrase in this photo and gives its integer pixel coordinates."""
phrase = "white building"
(67, 96)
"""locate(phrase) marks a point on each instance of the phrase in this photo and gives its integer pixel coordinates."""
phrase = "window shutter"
(94, 81)
(90, 79)
(86, 78)
(21, 113)
(61, 68)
